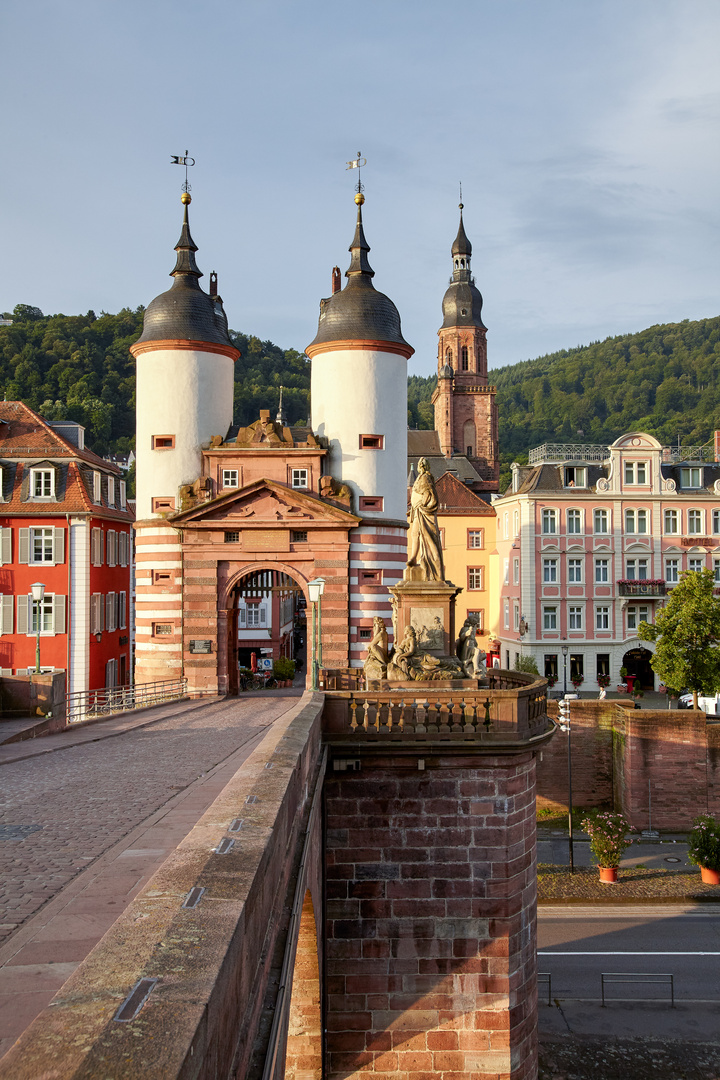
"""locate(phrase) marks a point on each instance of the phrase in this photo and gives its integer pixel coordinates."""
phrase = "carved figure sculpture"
(400, 668)
(466, 645)
(424, 544)
(376, 662)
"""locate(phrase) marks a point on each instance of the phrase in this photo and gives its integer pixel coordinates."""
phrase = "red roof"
(27, 440)
(455, 497)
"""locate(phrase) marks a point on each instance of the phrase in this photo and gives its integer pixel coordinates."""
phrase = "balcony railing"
(558, 452)
(652, 587)
(671, 454)
(89, 704)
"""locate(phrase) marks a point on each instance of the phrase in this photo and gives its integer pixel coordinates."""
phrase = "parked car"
(685, 701)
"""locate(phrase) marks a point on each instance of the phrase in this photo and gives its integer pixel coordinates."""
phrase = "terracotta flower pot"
(710, 877)
(608, 874)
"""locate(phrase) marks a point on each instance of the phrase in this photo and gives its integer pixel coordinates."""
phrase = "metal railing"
(642, 588)
(545, 975)
(633, 978)
(91, 703)
(559, 452)
(687, 453)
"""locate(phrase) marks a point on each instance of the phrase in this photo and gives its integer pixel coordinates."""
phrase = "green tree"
(687, 633)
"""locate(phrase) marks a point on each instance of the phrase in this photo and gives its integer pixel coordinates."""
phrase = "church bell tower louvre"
(466, 417)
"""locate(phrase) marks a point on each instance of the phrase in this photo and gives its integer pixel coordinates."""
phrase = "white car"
(685, 701)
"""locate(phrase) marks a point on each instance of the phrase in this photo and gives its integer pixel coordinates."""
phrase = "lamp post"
(564, 649)
(316, 587)
(38, 595)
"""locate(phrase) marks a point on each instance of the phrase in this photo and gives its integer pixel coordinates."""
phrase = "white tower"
(184, 394)
(359, 404)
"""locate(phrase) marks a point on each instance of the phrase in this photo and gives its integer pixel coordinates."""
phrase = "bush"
(526, 663)
(283, 668)
(704, 842)
(608, 839)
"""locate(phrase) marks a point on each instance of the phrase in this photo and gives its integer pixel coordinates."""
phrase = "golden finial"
(185, 198)
(359, 198)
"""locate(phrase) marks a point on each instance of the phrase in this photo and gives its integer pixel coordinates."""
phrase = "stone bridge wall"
(217, 965)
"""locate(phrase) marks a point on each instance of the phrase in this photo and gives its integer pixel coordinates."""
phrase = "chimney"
(717, 445)
(213, 285)
(336, 280)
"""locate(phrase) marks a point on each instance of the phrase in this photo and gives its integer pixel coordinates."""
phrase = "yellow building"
(467, 525)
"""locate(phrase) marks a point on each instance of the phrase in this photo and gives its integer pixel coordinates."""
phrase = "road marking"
(543, 953)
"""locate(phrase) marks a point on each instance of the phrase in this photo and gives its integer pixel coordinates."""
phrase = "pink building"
(590, 540)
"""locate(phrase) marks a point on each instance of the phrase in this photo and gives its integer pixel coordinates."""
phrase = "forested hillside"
(664, 380)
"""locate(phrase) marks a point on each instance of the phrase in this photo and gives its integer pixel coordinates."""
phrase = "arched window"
(448, 356)
(464, 358)
(469, 437)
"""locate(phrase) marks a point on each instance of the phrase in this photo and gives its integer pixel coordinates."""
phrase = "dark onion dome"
(462, 303)
(446, 372)
(359, 313)
(185, 312)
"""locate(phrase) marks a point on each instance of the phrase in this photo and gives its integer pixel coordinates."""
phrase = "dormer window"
(691, 478)
(123, 494)
(636, 472)
(97, 487)
(111, 490)
(575, 476)
(42, 483)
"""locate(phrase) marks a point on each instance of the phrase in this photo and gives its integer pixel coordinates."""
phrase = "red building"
(65, 523)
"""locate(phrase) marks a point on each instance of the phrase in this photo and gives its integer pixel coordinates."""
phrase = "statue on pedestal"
(376, 661)
(424, 544)
(466, 649)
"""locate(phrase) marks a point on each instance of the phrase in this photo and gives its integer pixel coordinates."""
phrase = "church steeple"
(461, 253)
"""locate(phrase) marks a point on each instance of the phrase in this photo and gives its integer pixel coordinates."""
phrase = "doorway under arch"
(266, 619)
(637, 662)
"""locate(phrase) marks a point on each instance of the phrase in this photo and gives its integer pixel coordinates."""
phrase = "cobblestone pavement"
(60, 811)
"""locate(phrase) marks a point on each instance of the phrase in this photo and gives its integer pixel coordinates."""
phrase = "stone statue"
(424, 545)
(470, 656)
(400, 668)
(376, 661)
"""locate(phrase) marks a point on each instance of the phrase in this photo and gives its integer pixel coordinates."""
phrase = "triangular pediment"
(264, 504)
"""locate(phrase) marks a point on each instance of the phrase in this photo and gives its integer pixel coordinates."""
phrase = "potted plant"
(603, 680)
(577, 681)
(704, 848)
(551, 680)
(608, 840)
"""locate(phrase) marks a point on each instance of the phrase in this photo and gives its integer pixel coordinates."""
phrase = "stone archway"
(303, 1058)
(265, 616)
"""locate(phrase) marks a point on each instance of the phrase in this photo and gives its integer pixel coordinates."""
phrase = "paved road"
(60, 811)
(576, 944)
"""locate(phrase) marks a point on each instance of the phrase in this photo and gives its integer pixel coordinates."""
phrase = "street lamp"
(564, 650)
(38, 595)
(564, 716)
(316, 588)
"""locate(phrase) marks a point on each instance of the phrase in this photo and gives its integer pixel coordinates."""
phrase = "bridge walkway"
(88, 815)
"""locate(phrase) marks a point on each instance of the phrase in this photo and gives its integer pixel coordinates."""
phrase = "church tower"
(184, 394)
(359, 404)
(466, 417)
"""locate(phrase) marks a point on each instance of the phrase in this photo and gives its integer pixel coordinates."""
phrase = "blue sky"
(585, 136)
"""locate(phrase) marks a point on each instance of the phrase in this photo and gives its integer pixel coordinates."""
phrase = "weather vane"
(188, 162)
(358, 164)
(461, 202)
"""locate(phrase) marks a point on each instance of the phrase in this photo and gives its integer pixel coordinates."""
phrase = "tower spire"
(359, 247)
(185, 265)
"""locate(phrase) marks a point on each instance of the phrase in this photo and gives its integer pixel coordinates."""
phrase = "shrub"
(283, 668)
(526, 663)
(608, 837)
(704, 842)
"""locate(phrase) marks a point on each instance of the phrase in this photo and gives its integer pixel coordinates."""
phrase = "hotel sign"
(700, 541)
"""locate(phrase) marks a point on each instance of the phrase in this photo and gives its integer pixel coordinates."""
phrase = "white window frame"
(259, 615)
(45, 479)
(549, 615)
(516, 571)
(604, 515)
(635, 615)
(516, 616)
(636, 473)
(716, 522)
(549, 522)
(575, 571)
(602, 617)
(111, 490)
(227, 478)
(716, 571)
(475, 539)
(45, 535)
(476, 578)
(97, 486)
(671, 522)
(574, 516)
(575, 617)
(696, 564)
(636, 568)
(695, 515)
(602, 571)
(506, 613)
(688, 474)
(672, 570)
(123, 494)
(300, 479)
(549, 571)
(516, 522)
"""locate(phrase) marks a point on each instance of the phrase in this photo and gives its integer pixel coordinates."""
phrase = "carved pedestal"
(429, 607)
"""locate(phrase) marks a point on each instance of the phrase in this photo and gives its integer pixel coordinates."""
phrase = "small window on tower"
(370, 577)
(163, 504)
(372, 442)
(364, 633)
(232, 537)
(464, 363)
(163, 442)
(299, 536)
(371, 502)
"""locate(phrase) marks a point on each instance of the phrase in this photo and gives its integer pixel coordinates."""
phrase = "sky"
(585, 136)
